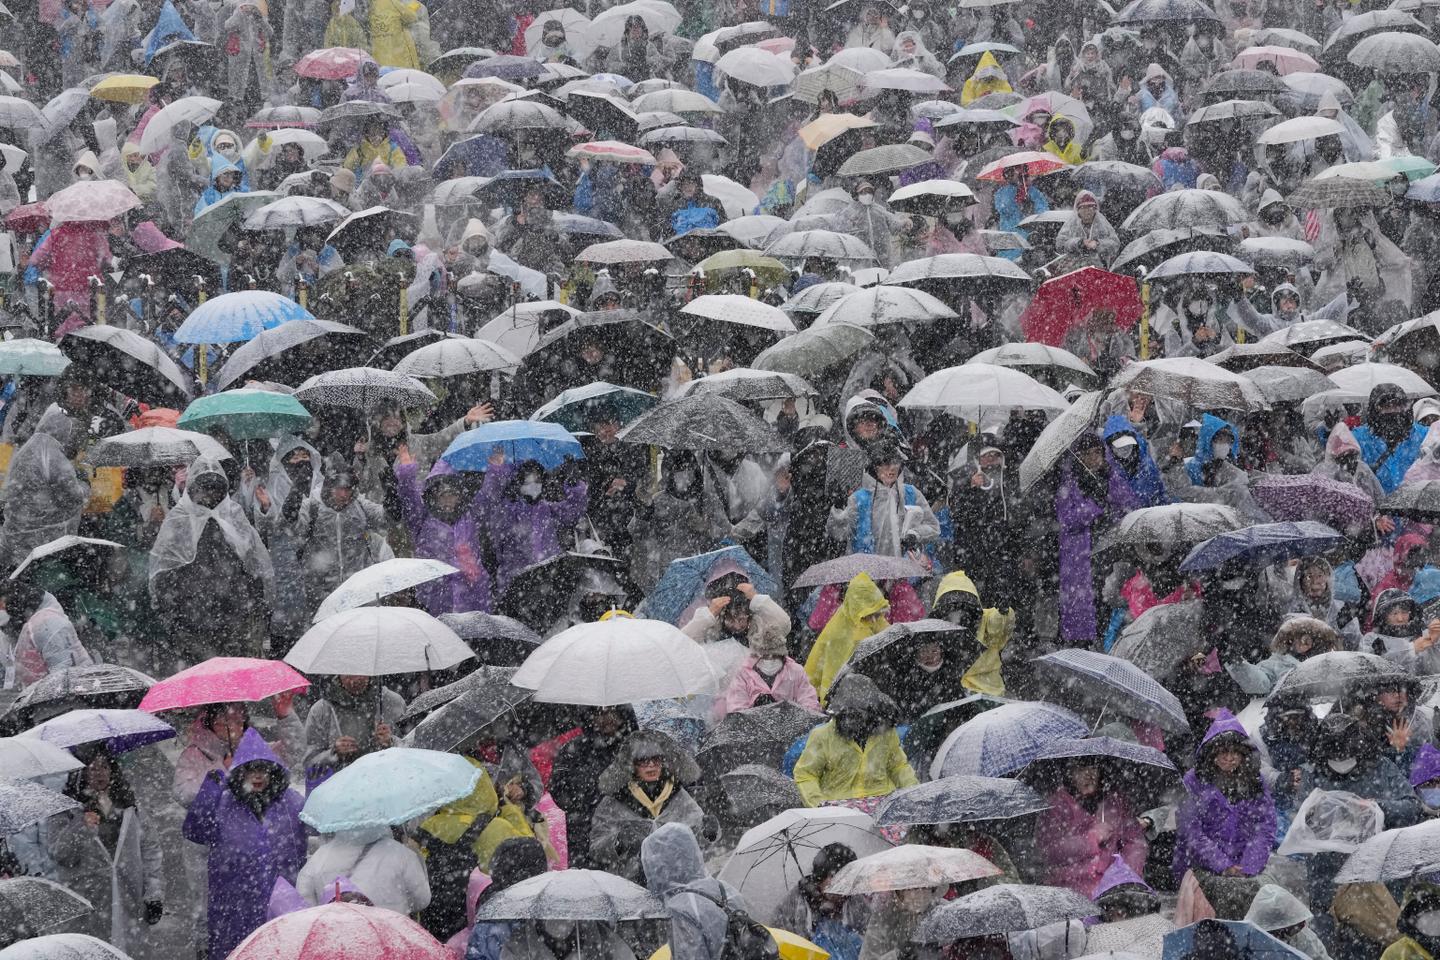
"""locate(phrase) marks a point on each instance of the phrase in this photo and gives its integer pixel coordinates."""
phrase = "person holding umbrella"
(884, 516)
(527, 509)
(338, 533)
(1088, 825)
(1389, 439)
(1092, 489)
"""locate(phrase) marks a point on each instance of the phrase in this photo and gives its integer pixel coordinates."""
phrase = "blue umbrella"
(572, 408)
(998, 742)
(479, 156)
(548, 443)
(388, 787)
(121, 730)
(1250, 941)
(238, 317)
(685, 579)
(1104, 747)
(1263, 544)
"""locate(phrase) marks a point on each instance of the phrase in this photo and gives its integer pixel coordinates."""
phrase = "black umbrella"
(757, 735)
(931, 728)
(1103, 175)
(1243, 85)
(1151, 248)
(199, 57)
(959, 800)
(1138, 767)
(497, 640)
(753, 786)
(1163, 637)
(541, 593)
(485, 696)
(508, 188)
(98, 686)
(354, 110)
(1244, 357)
(883, 657)
(175, 270)
(638, 354)
(603, 111)
(293, 352)
(1002, 908)
(1142, 13)
(29, 906)
(128, 363)
(703, 421)
(1059, 434)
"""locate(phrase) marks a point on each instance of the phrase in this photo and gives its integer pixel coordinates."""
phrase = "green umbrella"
(572, 409)
(29, 357)
(246, 414)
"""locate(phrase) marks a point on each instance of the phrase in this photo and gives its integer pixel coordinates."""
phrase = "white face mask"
(1198, 307)
(1341, 766)
(1220, 450)
(531, 488)
(930, 667)
(769, 665)
(866, 199)
(683, 481)
(1428, 923)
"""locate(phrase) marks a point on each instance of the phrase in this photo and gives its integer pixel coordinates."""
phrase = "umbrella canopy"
(1175, 523)
(238, 317)
(813, 353)
(1004, 907)
(476, 701)
(744, 385)
(953, 271)
(703, 421)
(1395, 54)
(1070, 299)
(1143, 12)
(1289, 384)
(1308, 335)
(548, 443)
(1284, 60)
(740, 310)
(804, 244)
(363, 388)
(752, 786)
(1162, 638)
(331, 63)
(573, 895)
(1035, 163)
(1329, 675)
(274, 118)
(974, 387)
(340, 931)
(1357, 381)
(574, 409)
(1310, 497)
(1058, 436)
(97, 685)
(381, 580)
(296, 211)
(680, 586)
(1419, 501)
(755, 66)
(910, 867)
(246, 414)
(1202, 263)
(772, 858)
(28, 357)
(883, 160)
(496, 639)
(156, 446)
(119, 730)
(26, 758)
(1003, 740)
(613, 151)
(23, 804)
(162, 125)
(1338, 193)
(756, 735)
(1400, 854)
(844, 569)
(902, 79)
(1192, 382)
(62, 946)
(375, 641)
(389, 787)
(1055, 363)
(457, 356)
(295, 351)
(31, 905)
(1110, 684)
(89, 201)
(960, 799)
(1300, 129)
(878, 306)
(613, 252)
(1263, 544)
(1243, 84)
(1249, 941)
(1186, 209)
(223, 680)
(617, 661)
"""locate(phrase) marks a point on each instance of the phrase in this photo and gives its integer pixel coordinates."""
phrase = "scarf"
(656, 806)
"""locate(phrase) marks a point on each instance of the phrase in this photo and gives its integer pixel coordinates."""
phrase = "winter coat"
(342, 713)
(1080, 519)
(457, 544)
(1213, 832)
(859, 617)
(117, 885)
(304, 28)
(335, 544)
(619, 826)
(69, 255)
(1325, 607)
(247, 851)
(790, 685)
(834, 767)
(47, 643)
(391, 874)
(1073, 234)
(522, 533)
(43, 497)
(246, 37)
(675, 872)
(1067, 841)
(574, 786)
(390, 41)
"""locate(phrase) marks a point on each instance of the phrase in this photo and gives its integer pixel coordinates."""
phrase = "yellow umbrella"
(828, 126)
(768, 267)
(792, 947)
(124, 88)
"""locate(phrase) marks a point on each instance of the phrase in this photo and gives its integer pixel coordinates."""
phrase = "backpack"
(745, 937)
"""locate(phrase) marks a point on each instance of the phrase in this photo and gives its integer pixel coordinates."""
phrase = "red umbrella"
(223, 680)
(28, 218)
(341, 931)
(1036, 162)
(331, 63)
(1069, 299)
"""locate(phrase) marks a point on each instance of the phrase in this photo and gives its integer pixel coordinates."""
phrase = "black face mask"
(594, 606)
(299, 473)
(1391, 427)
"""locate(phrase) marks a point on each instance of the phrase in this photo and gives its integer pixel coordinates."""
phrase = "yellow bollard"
(1144, 321)
(404, 311)
(200, 353)
(302, 294)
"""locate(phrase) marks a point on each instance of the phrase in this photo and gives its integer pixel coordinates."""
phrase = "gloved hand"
(154, 910)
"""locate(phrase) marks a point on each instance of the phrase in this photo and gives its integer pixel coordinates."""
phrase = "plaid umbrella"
(1337, 193)
(998, 742)
(1110, 684)
(1263, 544)
(1308, 497)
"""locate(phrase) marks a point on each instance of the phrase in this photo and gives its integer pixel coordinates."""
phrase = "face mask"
(1431, 796)
(1341, 766)
(682, 481)
(866, 199)
(918, 14)
(1220, 450)
(1273, 216)
(769, 665)
(1234, 583)
(84, 175)
(531, 489)
(1399, 189)
(1428, 923)
(1198, 307)
(930, 668)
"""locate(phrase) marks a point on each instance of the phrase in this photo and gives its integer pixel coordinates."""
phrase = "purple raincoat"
(457, 544)
(521, 533)
(1078, 516)
(247, 852)
(1211, 832)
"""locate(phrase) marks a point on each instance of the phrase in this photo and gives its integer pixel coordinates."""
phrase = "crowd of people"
(752, 480)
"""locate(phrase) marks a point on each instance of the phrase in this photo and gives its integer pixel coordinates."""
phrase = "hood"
(1210, 427)
(1426, 585)
(474, 231)
(671, 859)
(1340, 442)
(440, 471)
(1388, 600)
(1281, 290)
(1060, 120)
(1328, 101)
(1322, 636)
(956, 582)
(202, 466)
(284, 899)
(1092, 42)
(1155, 71)
(87, 158)
(1420, 897)
(1119, 425)
(254, 749)
(1426, 765)
(219, 165)
(1224, 723)
(55, 422)
(855, 692)
(863, 598)
(1430, 446)
(986, 62)
(1268, 199)
(1275, 908)
(869, 400)
(1118, 874)
(1383, 393)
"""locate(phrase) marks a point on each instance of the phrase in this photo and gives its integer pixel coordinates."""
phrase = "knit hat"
(769, 641)
(379, 167)
(343, 179)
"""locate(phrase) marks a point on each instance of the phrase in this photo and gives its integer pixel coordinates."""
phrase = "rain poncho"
(861, 614)
(292, 614)
(69, 255)
(1080, 515)
(1276, 909)
(43, 496)
(344, 714)
(834, 767)
(448, 839)
(245, 38)
(910, 52)
(456, 542)
(337, 543)
(1074, 233)
(385, 870)
(1343, 462)
(675, 872)
(1204, 479)
(47, 642)
(984, 675)
(1141, 474)
(622, 821)
(987, 78)
(878, 519)
(522, 532)
(1071, 152)
(390, 41)
(1363, 255)
(1215, 830)
(1070, 838)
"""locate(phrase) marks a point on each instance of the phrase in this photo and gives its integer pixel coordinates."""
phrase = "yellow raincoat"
(449, 823)
(344, 30)
(1071, 152)
(510, 822)
(834, 767)
(993, 633)
(390, 39)
(861, 615)
(987, 78)
(364, 154)
(1405, 949)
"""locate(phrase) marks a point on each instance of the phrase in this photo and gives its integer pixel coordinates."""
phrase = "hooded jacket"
(341, 713)
(337, 543)
(986, 78)
(1067, 839)
(1204, 480)
(1143, 476)
(834, 767)
(1338, 444)
(992, 634)
(1215, 832)
(1143, 935)
(457, 543)
(1071, 153)
(212, 195)
(1325, 607)
(43, 496)
(1389, 460)
(675, 872)
(177, 545)
(861, 615)
(386, 871)
(1275, 909)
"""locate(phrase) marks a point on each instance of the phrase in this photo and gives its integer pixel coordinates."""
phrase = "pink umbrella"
(613, 150)
(90, 201)
(331, 63)
(340, 931)
(1285, 60)
(223, 680)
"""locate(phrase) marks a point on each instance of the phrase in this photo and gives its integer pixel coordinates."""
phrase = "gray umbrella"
(1112, 685)
(1401, 854)
(573, 895)
(1162, 638)
(755, 786)
(494, 638)
(959, 800)
(1308, 335)
(1003, 908)
(1338, 193)
(1189, 209)
(813, 353)
(1161, 244)
(1390, 54)
(703, 421)
(744, 385)
(31, 905)
(1081, 417)
(1193, 382)
(886, 159)
(830, 244)
(1289, 384)
(63, 946)
(876, 656)
(1175, 523)
(100, 685)
(757, 735)
(950, 267)
(1245, 357)
(363, 388)
(846, 568)
(484, 701)
(23, 803)
(1328, 675)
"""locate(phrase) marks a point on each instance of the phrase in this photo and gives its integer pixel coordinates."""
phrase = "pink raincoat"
(1067, 839)
(68, 256)
(791, 685)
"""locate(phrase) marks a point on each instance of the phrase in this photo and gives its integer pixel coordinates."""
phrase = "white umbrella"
(973, 387)
(903, 79)
(457, 356)
(25, 758)
(840, 80)
(573, 895)
(949, 189)
(860, 59)
(412, 86)
(752, 229)
(820, 243)
(1024, 355)
(363, 388)
(1359, 380)
(912, 866)
(738, 309)
(296, 211)
(577, 28)
(196, 110)
(756, 66)
(1301, 128)
(1193, 382)
(375, 641)
(675, 101)
(62, 544)
(518, 328)
(877, 306)
(608, 27)
(744, 384)
(617, 661)
(772, 858)
(311, 143)
(380, 580)
(738, 200)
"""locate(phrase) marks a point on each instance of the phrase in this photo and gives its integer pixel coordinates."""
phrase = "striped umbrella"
(614, 151)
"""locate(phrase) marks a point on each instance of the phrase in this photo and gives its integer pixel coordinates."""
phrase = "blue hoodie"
(1146, 483)
(169, 27)
(212, 196)
(1210, 425)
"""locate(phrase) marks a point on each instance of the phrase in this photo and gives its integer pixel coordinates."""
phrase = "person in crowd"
(1088, 824)
(857, 752)
(861, 613)
(644, 789)
(574, 782)
(389, 873)
(44, 492)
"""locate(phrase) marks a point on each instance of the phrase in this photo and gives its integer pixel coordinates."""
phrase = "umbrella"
(757, 735)
(1174, 523)
(613, 252)
(90, 200)
(389, 787)
(617, 661)
(1359, 380)
(930, 196)
(1055, 363)
(642, 352)
(223, 680)
(411, 86)
(186, 110)
(212, 227)
(1249, 941)
(952, 272)
(1344, 354)
(504, 641)
(1300, 129)
(573, 895)
(1200, 262)
(1263, 544)
(1338, 193)
(1284, 60)
(510, 117)
(883, 160)
(1243, 84)
(283, 116)
(1392, 54)
(62, 946)
(1413, 343)
(772, 858)
(296, 211)
(1192, 382)
(751, 787)
(960, 799)
(1309, 497)
(1035, 163)
(28, 357)
(817, 298)
(363, 388)
(1418, 501)
(340, 931)
(295, 351)
(457, 356)
(548, 443)
(505, 67)
(1330, 675)
(1285, 37)
(381, 580)
(833, 78)
(1001, 741)
(1069, 299)
(1312, 334)
(26, 758)
(1004, 907)
(973, 387)
(1289, 384)
(1400, 854)
(476, 702)
(804, 244)
(909, 867)
(1143, 12)
(703, 421)
(680, 586)
(667, 133)
(375, 641)
(128, 88)
(744, 385)
(1103, 175)
(739, 310)
(97, 685)
(1150, 641)
(237, 317)
(520, 327)
(756, 67)
(80, 551)
(120, 730)
(608, 27)
(613, 151)
(155, 446)
(23, 803)
(1230, 111)
(246, 414)
(877, 306)
(574, 409)
(675, 100)
(812, 353)
(21, 114)
(331, 63)
(1153, 246)
(1059, 434)
(31, 905)
(1109, 683)
(28, 218)
(1187, 209)
(902, 79)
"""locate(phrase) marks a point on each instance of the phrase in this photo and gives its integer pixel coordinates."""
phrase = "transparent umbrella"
(573, 895)
(31, 905)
